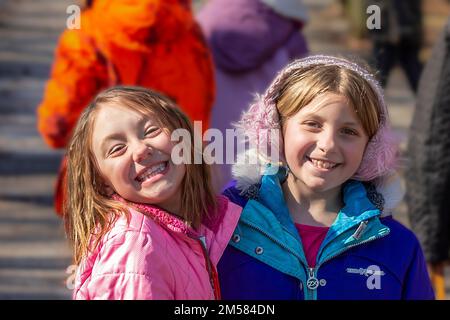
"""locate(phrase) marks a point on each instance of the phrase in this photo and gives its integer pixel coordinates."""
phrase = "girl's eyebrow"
(145, 118)
(312, 115)
(351, 124)
(120, 136)
(318, 117)
(108, 138)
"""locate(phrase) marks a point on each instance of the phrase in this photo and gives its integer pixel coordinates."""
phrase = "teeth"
(152, 171)
(323, 164)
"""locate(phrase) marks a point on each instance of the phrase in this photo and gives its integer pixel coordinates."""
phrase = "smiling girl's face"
(324, 143)
(133, 155)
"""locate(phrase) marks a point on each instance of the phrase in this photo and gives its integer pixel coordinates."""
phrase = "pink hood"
(155, 256)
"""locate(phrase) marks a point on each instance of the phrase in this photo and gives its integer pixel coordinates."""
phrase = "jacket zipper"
(312, 278)
(212, 272)
(352, 246)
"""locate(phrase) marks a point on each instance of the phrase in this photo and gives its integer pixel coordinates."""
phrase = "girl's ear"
(108, 191)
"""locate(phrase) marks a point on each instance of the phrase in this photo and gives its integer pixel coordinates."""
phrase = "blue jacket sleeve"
(417, 284)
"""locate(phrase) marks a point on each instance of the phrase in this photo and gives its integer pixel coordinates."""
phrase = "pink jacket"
(156, 256)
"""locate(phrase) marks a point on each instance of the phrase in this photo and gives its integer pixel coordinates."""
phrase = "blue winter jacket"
(363, 256)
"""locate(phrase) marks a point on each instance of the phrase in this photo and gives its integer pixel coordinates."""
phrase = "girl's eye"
(152, 131)
(312, 124)
(115, 150)
(349, 131)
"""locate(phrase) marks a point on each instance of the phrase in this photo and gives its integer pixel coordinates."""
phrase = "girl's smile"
(152, 173)
(322, 165)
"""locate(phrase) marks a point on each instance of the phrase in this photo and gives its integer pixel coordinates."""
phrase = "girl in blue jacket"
(317, 224)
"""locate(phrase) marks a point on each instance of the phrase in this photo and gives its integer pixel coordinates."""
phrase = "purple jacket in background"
(244, 34)
(250, 43)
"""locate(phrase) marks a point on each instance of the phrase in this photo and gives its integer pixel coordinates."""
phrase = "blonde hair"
(304, 84)
(87, 209)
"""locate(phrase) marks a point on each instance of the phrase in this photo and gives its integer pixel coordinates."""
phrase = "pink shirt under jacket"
(156, 256)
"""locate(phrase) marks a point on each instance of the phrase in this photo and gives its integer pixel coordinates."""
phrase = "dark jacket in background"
(400, 21)
(428, 171)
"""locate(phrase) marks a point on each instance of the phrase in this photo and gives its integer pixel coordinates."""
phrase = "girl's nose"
(141, 151)
(327, 141)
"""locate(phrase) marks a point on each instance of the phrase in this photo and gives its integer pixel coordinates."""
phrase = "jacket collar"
(175, 223)
(159, 215)
(214, 232)
(357, 208)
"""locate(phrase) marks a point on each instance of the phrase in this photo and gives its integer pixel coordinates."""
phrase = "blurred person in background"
(428, 171)
(150, 43)
(250, 40)
(399, 39)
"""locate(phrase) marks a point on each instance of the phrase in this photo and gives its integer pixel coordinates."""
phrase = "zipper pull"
(312, 283)
(362, 226)
(203, 240)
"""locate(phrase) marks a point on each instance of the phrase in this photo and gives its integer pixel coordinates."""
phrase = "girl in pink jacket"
(142, 224)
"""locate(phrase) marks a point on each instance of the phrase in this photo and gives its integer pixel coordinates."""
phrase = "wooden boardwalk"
(33, 250)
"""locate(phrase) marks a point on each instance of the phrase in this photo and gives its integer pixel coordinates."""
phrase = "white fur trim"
(248, 169)
(392, 190)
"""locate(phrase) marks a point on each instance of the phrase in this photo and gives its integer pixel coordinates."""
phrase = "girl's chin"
(152, 198)
(317, 184)
(324, 186)
(317, 187)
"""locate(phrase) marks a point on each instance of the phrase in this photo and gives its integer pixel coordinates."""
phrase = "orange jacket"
(150, 43)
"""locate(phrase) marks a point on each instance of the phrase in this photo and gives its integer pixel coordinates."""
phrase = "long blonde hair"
(88, 210)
